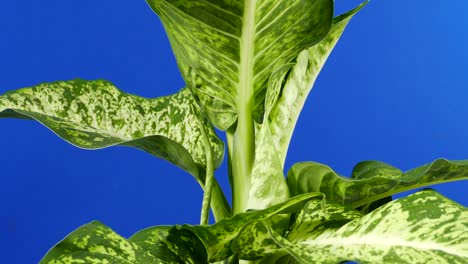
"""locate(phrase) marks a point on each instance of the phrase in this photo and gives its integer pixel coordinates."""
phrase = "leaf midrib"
(247, 56)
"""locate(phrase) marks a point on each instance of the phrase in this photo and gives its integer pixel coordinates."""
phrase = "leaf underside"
(226, 50)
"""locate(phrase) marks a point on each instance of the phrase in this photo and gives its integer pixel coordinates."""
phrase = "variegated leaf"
(96, 243)
(254, 242)
(226, 50)
(300, 82)
(218, 238)
(171, 244)
(95, 114)
(268, 186)
(307, 177)
(424, 227)
(369, 169)
(318, 215)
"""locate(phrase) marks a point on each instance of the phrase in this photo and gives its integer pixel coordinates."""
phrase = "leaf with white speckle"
(424, 227)
(299, 83)
(95, 115)
(218, 238)
(97, 243)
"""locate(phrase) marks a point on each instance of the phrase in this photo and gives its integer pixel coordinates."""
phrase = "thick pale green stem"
(242, 139)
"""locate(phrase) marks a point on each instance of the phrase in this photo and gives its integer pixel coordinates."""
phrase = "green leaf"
(369, 169)
(95, 114)
(171, 244)
(307, 177)
(300, 82)
(97, 243)
(226, 50)
(319, 214)
(218, 238)
(268, 186)
(424, 227)
(254, 242)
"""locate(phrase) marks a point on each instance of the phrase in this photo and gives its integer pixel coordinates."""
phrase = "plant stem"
(208, 186)
(242, 140)
(242, 144)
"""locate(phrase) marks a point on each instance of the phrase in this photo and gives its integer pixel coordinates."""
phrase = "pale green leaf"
(315, 177)
(226, 50)
(218, 238)
(300, 82)
(424, 227)
(95, 114)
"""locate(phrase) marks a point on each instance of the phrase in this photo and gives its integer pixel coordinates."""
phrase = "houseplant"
(195, 85)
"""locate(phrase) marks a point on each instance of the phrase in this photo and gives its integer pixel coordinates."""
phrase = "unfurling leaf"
(300, 82)
(377, 184)
(227, 50)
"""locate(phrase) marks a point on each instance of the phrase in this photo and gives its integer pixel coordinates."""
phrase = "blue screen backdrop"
(395, 89)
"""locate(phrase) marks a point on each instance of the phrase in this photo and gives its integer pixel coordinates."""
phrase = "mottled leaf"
(315, 177)
(300, 82)
(171, 244)
(424, 227)
(218, 238)
(268, 186)
(95, 114)
(254, 242)
(369, 169)
(97, 243)
(318, 216)
(226, 50)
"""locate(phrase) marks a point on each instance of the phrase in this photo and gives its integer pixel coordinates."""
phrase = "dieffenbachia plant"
(249, 66)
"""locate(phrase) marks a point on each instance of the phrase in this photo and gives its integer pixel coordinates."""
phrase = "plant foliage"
(249, 66)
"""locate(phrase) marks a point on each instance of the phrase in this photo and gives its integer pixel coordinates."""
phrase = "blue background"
(395, 89)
